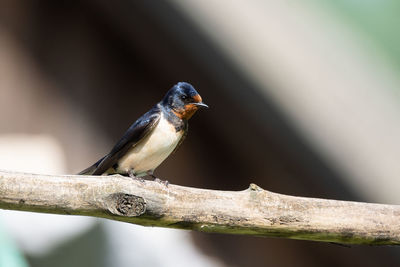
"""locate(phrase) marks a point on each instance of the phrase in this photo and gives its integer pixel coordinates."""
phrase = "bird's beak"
(200, 104)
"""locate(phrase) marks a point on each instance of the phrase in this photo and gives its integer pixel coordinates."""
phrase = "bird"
(152, 137)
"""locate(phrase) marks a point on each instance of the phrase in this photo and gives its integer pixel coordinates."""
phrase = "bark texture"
(253, 211)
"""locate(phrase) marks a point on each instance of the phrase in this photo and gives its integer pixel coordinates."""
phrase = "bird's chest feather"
(153, 149)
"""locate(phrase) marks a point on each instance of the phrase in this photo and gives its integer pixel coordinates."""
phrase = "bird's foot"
(156, 179)
(134, 177)
(166, 183)
(117, 175)
(152, 175)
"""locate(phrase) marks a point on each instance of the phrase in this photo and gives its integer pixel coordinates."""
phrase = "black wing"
(133, 135)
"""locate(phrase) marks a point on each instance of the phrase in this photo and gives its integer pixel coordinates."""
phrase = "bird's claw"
(166, 183)
(140, 179)
(150, 173)
(134, 177)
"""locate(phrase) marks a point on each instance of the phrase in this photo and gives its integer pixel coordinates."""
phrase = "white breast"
(151, 150)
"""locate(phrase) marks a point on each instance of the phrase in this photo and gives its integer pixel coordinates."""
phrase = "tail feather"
(90, 170)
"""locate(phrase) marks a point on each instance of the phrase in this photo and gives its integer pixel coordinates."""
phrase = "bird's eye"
(183, 97)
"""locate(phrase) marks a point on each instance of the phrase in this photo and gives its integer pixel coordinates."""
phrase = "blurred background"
(304, 100)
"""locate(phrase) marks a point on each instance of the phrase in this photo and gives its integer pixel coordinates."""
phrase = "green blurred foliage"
(378, 20)
(10, 255)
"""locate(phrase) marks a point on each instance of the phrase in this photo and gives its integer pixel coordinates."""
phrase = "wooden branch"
(253, 211)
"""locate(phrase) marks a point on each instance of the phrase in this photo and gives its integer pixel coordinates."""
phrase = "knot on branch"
(254, 187)
(126, 205)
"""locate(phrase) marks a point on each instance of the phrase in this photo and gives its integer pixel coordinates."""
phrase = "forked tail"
(90, 170)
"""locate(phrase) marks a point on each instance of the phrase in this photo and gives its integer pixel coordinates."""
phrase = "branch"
(253, 211)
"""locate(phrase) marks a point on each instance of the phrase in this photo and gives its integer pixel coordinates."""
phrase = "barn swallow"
(153, 137)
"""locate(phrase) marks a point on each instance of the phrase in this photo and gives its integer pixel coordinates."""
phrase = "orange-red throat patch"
(188, 110)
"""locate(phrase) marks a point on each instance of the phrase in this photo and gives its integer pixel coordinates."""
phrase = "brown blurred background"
(303, 101)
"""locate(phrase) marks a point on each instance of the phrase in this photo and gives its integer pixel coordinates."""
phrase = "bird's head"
(183, 100)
